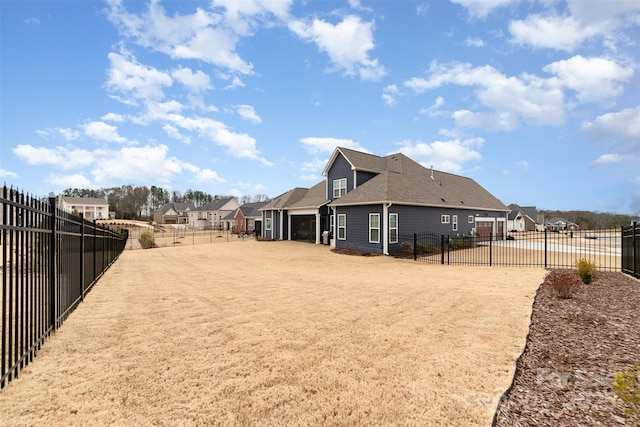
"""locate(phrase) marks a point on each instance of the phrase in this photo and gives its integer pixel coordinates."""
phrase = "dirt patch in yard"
(280, 333)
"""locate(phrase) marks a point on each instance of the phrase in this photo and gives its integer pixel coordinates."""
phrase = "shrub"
(586, 270)
(626, 388)
(563, 283)
(146, 240)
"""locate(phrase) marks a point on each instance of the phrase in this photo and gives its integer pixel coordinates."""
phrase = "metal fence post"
(442, 249)
(633, 252)
(491, 250)
(52, 263)
(82, 269)
(415, 247)
(545, 248)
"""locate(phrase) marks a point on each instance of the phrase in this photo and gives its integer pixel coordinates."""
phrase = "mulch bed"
(574, 347)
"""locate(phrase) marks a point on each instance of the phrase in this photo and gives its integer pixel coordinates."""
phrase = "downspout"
(385, 228)
(333, 238)
(281, 220)
(318, 241)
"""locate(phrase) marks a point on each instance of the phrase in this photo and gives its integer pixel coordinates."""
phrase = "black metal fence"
(50, 260)
(631, 250)
(526, 249)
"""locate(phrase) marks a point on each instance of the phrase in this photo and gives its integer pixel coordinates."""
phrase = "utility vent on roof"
(441, 199)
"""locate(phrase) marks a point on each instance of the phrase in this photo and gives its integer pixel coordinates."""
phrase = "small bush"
(626, 388)
(563, 283)
(586, 270)
(146, 240)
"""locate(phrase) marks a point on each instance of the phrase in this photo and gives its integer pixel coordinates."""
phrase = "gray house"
(299, 214)
(522, 218)
(368, 202)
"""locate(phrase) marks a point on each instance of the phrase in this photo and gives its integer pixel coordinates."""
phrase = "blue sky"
(539, 101)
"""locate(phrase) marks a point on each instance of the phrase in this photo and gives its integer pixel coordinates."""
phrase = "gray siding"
(340, 169)
(362, 177)
(358, 228)
(411, 219)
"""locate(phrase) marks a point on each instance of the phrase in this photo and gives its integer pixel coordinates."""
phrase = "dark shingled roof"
(404, 181)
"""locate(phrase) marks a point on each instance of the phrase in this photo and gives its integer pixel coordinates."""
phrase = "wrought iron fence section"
(50, 259)
(523, 249)
(631, 250)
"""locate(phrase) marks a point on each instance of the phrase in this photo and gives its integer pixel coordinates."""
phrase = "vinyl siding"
(358, 228)
(340, 169)
(362, 177)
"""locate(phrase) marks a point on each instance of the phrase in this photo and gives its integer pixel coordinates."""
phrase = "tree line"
(139, 202)
(588, 220)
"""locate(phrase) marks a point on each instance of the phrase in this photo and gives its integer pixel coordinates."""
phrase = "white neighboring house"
(213, 214)
(90, 208)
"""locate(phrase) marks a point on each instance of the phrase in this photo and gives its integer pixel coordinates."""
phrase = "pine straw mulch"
(574, 347)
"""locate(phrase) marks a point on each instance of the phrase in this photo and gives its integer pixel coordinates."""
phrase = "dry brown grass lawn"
(279, 333)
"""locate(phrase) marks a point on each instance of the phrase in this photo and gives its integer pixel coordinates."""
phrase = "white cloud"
(621, 128)
(474, 42)
(201, 35)
(66, 133)
(347, 43)
(148, 163)
(528, 98)
(103, 131)
(60, 157)
(244, 16)
(586, 20)
(607, 159)
(481, 8)
(75, 180)
(113, 117)
(390, 95)
(434, 109)
(207, 175)
(132, 79)
(594, 79)
(7, 173)
(554, 32)
(315, 145)
(247, 112)
(195, 82)
(449, 156)
(422, 9)
(174, 133)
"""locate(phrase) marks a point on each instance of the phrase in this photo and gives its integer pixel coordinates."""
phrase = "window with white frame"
(470, 219)
(267, 224)
(374, 228)
(339, 187)
(342, 226)
(455, 223)
(251, 224)
(393, 228)
(445, 219)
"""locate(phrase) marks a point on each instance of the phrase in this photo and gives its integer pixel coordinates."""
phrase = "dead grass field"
(280, 333)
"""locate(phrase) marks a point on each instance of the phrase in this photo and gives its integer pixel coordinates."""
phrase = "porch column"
(318, 237)
(385, 228)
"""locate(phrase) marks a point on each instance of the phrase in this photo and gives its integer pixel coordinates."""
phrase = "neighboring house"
(91, 208)
(173, 213)
(248, 218)
(561, 224)
(522, 218)
(370, 201)
(214, 214)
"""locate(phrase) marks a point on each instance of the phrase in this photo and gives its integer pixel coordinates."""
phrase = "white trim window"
(342, 226)
(339, 187)
(374, 228)
(393, 228)
(455, 223)
(445, 219)
(470, 219)
(267, 224)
